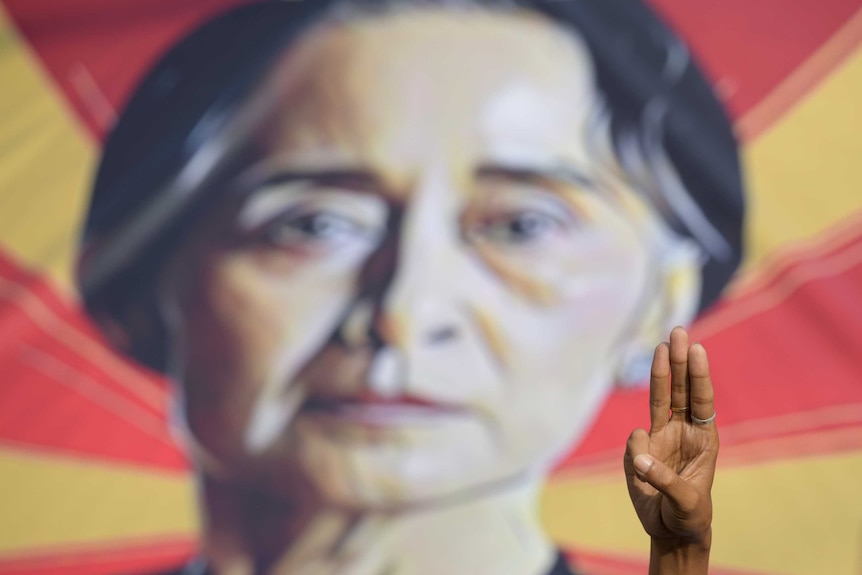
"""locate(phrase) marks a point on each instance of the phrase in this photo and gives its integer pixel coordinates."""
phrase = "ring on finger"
(700, 421)
(679, 409)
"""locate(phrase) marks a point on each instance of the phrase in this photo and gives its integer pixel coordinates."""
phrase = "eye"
(313, 228)
(519, 228)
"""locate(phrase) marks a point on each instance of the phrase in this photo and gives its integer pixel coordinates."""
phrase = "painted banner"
(338, 284)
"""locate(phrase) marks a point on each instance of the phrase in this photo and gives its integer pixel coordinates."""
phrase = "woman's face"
(424, 281)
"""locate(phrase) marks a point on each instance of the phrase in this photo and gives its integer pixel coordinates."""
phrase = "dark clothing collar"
(198, 567)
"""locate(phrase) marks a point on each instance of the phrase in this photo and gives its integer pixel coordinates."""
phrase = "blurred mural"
(341, 283)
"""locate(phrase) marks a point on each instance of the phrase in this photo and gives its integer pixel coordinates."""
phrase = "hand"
(670, 470)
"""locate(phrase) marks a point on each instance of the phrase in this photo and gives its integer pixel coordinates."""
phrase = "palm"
(683, 507)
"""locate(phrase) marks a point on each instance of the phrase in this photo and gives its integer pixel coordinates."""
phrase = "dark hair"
(658, 99)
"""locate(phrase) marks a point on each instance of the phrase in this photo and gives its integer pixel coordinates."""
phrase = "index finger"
(659, 388)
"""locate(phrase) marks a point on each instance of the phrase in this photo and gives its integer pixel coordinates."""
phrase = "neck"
(247, 532)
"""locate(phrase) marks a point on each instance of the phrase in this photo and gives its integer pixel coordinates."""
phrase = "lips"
(369, 408)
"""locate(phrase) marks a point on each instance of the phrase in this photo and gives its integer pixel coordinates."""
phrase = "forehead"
(418, 84)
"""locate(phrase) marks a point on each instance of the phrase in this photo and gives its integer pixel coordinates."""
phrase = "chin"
(408, 469)
(391, 489)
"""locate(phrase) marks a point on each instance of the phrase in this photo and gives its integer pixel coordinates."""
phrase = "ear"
(675, 302)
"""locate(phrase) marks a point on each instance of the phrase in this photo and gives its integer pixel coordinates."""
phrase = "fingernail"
(643, 463)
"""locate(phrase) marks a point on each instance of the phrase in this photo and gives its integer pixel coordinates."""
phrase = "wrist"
(680, 556)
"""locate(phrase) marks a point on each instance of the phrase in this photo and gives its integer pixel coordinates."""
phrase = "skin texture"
(413, 300)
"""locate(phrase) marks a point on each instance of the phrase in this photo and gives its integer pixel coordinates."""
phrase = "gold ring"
(679, 409)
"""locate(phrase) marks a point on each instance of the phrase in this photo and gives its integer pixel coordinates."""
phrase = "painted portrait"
(394, 256)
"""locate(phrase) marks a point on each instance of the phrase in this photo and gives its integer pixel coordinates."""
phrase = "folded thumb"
(659, 475)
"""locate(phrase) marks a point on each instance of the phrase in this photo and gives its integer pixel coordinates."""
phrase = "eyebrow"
(367, 181)
(550, 176)
(354, 179)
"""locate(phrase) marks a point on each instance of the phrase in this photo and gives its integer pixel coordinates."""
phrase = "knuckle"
(657, 403)
(702, 400)
(634, 436)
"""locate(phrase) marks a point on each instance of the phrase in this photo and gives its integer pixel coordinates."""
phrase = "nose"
(376, 325)
(410, 294)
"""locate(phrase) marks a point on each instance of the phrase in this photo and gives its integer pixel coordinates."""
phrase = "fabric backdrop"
(91, 480)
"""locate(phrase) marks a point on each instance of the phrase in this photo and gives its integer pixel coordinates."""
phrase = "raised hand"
(670, 469)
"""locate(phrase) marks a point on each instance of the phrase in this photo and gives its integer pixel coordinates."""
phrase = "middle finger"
(678, 372)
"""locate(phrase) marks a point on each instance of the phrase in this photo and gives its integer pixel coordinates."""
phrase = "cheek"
(244, 333)
(584, 296)
(229, 328)
(601, 288)
(228, 324)
(562, 351)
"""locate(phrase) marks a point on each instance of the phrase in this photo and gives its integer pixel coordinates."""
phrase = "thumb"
(662, 477)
